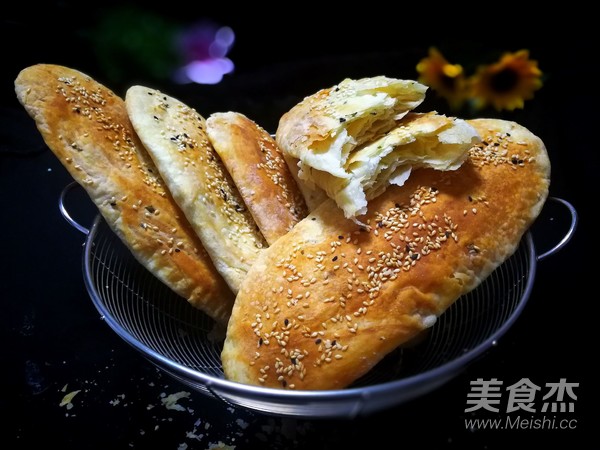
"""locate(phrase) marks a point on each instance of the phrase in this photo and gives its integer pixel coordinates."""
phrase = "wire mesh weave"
(179, 338)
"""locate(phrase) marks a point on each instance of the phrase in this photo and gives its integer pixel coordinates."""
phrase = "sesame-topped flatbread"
(175, 137)
(259, 171)
(86, 126)
(330, 299)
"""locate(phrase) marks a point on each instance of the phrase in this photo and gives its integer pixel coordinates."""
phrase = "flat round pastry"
(259, 171)
(330, 299)
(86, 126)
(175, 136)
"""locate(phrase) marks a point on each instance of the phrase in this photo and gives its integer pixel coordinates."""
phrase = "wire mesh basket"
(182, 341)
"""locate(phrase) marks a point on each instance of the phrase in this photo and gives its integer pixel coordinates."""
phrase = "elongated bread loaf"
(87, 127)
(330, 299)
(259, 171)
(175, 136)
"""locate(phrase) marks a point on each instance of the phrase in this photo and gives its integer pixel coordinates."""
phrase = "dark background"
(50, 331)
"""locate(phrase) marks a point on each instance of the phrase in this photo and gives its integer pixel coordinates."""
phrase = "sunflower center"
(448, 76)
(504, 80)
(448, 82)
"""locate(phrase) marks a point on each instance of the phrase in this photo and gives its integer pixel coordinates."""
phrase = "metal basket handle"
(63, 210)
(567, 237)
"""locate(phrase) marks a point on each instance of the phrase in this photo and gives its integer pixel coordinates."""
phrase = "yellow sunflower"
(448, 80)
(507, 83)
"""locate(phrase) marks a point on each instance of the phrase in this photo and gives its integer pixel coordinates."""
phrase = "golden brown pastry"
(259, 171)
(175, 136)
(330, 299)
(313, 195)
(87, 127)
(418, 140)
(325, 127)
(323, 132)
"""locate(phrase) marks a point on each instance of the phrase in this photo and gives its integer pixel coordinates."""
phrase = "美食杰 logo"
(527, 405)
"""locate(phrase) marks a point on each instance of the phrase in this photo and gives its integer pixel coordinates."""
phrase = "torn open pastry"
(353, 140)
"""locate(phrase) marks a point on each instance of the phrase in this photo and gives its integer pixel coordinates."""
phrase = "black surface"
(53, 341)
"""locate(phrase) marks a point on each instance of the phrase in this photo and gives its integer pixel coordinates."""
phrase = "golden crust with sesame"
(324, 130)
(259, 171)
(86, 126)
(175, 136)
(330, 299)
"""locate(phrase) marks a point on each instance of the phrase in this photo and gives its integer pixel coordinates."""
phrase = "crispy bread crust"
(259, 171)
(175, 136)
(365, 108)
(329, 300)
(87, 127)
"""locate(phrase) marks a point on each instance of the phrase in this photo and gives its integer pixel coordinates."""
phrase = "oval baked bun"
(88, 129)
(175, 136)
(256, 165)
(330, 299)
